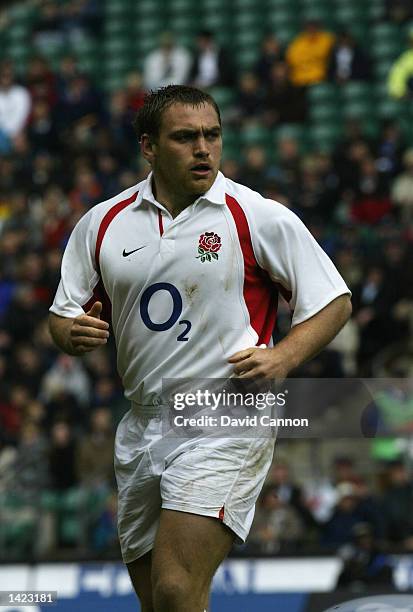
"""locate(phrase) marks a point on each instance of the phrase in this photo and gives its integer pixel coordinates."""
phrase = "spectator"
(211, 64)
(308, 54)
(348, 61)
(14, 102)
(400, 80)
(66, 375)
(284, 102)
(397, 503)
(402, 189)
(371, 198)
(41, 81)
(289, 492)
(399, 11)
(169, 63)
(364, 562)
(249, 99)
(62, 457)
(95, 453)
(389, 150)
(254, 172)
(47, 32)
(339, 528)
(277, 526)
(271, 52)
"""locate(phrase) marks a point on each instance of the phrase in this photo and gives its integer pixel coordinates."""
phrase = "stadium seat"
(358, 109)
(114, 8)
(385, 49)
(376, 10)
(277, 20)
(391, 109)
(355, 90)
(289, 5)
(385, 31)
(325, 111)
(324, 137)
(246, 58)
(255, 135)
(382, 69)
(323, 92)
(224, 96)
(346, 15)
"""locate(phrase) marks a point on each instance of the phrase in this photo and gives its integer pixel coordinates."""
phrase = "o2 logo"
(176, 310)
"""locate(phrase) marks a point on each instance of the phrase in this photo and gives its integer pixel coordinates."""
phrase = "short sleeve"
(78, 274)
(293, 258)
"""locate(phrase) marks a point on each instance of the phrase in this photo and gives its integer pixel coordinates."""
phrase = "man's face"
(186, 155)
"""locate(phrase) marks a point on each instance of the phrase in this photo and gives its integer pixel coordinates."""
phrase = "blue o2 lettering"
(175, 314)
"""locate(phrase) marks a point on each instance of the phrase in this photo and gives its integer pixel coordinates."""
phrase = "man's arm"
(302, 342)
(81, 334)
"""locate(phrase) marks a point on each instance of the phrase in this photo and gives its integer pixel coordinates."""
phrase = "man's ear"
(148, 148)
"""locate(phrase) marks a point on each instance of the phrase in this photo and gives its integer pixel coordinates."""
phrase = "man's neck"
(172, 202)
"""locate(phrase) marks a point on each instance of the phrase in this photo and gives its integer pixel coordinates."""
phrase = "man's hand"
(257, 362)
(301, 343)
(88, 331)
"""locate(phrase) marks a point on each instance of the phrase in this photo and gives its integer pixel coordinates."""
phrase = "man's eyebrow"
(192, 131)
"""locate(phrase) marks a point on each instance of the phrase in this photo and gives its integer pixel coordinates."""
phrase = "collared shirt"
(187, 292)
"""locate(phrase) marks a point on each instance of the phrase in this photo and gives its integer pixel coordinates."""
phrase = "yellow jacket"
(308, 56)
(400, 73)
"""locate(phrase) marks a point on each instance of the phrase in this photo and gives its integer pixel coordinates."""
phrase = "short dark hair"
(149, 116)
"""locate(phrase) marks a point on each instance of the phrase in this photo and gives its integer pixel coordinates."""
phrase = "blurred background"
(317, 105)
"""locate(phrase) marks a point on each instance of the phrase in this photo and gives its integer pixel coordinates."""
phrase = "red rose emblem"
(210, 242)
(209, 245)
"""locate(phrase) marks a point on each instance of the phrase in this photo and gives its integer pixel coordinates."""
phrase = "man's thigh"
(189, 547)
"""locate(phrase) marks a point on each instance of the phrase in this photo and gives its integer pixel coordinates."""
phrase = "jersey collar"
(214, 195)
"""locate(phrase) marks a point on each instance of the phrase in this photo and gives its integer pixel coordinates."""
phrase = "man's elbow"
(346, 308)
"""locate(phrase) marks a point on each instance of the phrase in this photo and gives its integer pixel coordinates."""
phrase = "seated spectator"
(62, 457)
(389, 149)
(79, 100)
(284, 102)
(371, 198)
(95, 452)
(41, 81)
(168, 63)
(308, 54)
(279, 478)
(135, 91)
(400, 80)
(399, 11)
(346, 514)
(397, 504)
(47, 31)
(15, 102)
(42, 131)
(402, 189)
(277, 526)
(364, 563)
(81, 18)
(271, 52)
(254, 171)
(249, 98)
(348, 61)
(211, 64)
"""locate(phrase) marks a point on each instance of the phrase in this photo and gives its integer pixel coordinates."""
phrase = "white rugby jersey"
(186, 293)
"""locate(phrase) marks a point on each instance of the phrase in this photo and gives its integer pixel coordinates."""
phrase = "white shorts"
(217, 477)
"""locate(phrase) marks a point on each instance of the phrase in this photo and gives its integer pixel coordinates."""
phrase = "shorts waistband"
(147, 410)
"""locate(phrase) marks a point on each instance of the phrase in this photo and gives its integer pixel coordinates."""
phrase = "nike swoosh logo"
(127, 253)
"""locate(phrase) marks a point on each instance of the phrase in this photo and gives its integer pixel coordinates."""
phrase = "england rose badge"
(208, 247)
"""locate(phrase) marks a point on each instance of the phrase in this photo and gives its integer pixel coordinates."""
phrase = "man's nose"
(201, 148)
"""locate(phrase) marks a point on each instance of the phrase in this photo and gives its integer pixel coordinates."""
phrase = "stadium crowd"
(66, 145)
